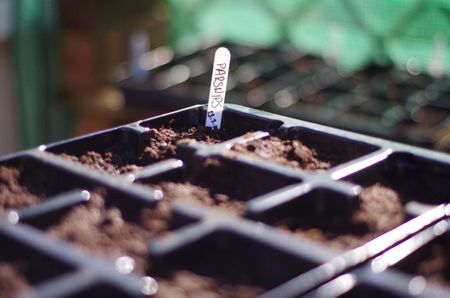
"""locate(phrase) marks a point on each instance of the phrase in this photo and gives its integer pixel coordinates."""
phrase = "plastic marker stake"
(218, 88)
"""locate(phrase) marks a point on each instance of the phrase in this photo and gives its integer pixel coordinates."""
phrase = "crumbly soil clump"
(13, 194)
(104, 230)
(163, 143)
(187, 192)
(213, 185)
(291, 153)
(380, 210)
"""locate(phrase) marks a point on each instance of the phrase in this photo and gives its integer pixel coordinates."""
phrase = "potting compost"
(267, 206)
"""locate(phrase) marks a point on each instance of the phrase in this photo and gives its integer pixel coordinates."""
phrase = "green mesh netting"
(413, 34)
(328, 29)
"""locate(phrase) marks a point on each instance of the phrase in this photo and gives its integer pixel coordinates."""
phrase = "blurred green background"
(65, 54)
(352, 32)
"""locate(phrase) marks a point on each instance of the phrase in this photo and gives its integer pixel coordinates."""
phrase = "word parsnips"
(216, 99)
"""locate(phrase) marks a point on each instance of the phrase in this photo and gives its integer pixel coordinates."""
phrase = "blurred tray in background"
(381, 101)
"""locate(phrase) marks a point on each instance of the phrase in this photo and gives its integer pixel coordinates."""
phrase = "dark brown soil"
(103, 230)
(234, 181)
(111, 162)
(188, 284)
(220, 272)
(379, 210)
(13, 194)
(214, 185)
(187, 192)
(123, 158)
(12, 281)
(292, 153)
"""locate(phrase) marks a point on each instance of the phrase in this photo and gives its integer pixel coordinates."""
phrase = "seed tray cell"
(431, 260)
(129, 149)
(230, 251)
(110, 228)
(165, 219)
(208, 182)
(304, 148)
(116, 152)
(22, 267)
(238, 122)
(222, 254)
(419, 267)
(105, 221)
(334, 219)
(412, 177)
(44, 178)
(29, 181)
(34, 265)
(377, 276)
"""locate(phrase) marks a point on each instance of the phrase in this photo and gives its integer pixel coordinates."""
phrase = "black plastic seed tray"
(418, 267)
(379, 101)
(268, 206)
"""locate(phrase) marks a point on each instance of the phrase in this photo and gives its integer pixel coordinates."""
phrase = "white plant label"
(218, 88)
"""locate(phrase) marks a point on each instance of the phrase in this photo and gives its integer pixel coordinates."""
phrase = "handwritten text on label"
(218, 88)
